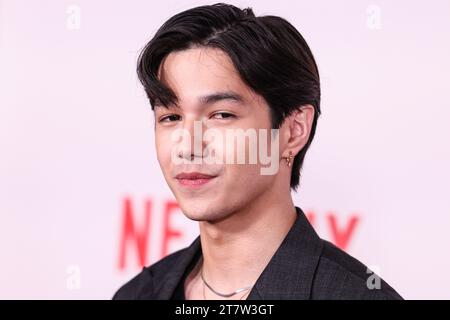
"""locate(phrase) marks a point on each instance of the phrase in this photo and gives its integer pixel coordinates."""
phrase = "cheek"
(244, 176)
(243, 183)
(163, 149)
(248, 151)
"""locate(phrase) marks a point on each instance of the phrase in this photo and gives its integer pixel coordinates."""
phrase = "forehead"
(197, 72)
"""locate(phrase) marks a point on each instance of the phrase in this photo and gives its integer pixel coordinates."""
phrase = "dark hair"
(270, 55)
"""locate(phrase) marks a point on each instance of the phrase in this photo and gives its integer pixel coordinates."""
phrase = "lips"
(193, 179)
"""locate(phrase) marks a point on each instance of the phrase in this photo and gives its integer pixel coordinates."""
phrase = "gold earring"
(289, 159)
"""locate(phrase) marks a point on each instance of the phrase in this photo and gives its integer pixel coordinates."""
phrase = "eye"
(169, 118)
(224, 115)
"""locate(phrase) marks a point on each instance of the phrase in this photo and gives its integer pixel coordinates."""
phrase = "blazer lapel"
(173, 276)
(290, 272)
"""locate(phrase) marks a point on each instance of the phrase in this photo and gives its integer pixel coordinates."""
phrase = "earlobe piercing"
(289, 159)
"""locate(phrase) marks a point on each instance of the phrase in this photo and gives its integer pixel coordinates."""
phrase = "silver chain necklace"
(225, 295)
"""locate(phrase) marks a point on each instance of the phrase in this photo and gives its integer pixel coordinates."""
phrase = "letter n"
(134, 235)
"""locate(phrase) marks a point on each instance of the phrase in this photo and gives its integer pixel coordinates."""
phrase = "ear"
(298, 129)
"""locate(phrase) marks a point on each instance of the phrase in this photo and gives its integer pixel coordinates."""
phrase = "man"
(221, 69)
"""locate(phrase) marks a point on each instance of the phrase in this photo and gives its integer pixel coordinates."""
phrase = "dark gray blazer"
(304, 267)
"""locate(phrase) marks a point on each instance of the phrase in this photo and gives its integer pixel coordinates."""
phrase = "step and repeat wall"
(84, 205)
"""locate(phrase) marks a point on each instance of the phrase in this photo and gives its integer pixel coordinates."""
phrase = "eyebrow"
(218, 96)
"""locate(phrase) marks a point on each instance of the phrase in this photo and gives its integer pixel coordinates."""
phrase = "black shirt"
(179, 290)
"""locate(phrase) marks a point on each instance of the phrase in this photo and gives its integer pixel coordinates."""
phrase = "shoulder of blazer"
(142, 285)
(341, 276)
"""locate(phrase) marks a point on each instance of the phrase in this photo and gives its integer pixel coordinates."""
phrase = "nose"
(191, 145)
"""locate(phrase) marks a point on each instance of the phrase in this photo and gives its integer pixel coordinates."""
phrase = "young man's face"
(193, 74)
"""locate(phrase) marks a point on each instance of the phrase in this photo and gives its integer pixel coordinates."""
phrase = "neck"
(237, 249)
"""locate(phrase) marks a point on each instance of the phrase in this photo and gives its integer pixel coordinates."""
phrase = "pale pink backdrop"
(76, 141)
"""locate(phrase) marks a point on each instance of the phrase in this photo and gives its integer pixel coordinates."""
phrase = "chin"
(196, 211)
